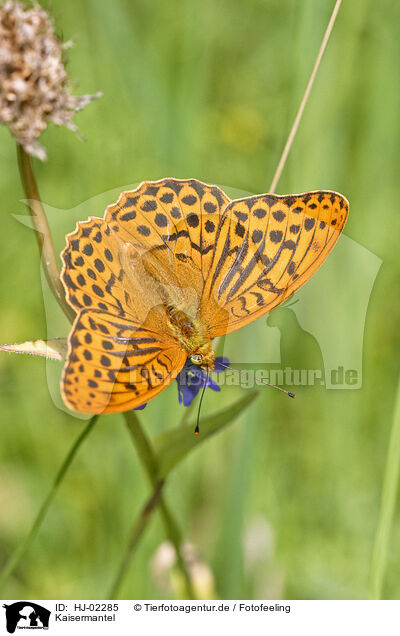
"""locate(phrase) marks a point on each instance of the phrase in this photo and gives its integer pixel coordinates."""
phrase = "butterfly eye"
(197, 358)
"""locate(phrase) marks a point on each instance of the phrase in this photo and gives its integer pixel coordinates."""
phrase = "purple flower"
(192, 378)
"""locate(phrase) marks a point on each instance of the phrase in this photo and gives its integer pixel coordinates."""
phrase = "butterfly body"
(192, 336)
(173, 264)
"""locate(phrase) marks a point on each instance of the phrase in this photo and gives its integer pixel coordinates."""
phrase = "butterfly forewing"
(266, 248)
(177, 219)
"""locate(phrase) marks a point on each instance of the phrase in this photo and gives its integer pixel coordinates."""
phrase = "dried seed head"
(33, 79)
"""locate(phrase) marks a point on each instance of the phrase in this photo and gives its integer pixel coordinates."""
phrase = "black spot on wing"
(149, 206)
(276, 236)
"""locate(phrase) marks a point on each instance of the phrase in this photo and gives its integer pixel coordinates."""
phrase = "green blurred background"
(285, 502)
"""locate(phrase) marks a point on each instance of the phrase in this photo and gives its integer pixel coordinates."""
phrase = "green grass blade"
(21, 550)
(389, 491)
(173, 445)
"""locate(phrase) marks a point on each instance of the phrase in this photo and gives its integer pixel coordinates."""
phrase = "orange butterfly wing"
(113, 365)
(267, 247)
(177, 221)
(153, 247)
(184, 244)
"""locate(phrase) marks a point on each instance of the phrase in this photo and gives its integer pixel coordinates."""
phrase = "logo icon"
(26, 615)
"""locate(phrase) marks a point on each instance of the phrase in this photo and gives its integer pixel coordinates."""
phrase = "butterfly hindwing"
(114, 365)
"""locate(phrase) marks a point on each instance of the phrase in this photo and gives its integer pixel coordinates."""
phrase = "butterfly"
(173, 264)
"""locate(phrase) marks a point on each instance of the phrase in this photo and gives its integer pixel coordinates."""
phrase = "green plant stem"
(388, 502)
(143, 447)
(21, 550)
(42, 231)
(149, 462)
(137, 531)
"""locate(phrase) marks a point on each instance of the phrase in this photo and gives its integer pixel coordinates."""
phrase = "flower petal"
(192, 378)
(213, 385)
(218, 362)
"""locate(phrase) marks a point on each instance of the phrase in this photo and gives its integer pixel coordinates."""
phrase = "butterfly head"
(203, 356)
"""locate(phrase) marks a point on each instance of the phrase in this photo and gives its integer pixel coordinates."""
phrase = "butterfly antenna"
(197, 429)
(289, 393)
